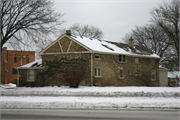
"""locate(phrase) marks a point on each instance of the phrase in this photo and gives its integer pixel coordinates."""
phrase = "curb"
(90, 94)
(80, 105)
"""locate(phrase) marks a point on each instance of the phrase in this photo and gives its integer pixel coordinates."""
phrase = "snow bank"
(8, 86)
(94, 91)
(90, 103)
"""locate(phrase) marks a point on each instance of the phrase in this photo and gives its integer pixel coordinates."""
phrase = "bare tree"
(85, 31)
(166, 16)
(162, 35)
(28, 21)
(150, 36)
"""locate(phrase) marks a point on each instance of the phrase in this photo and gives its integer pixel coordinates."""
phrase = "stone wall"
(56, 65)
(65, 44)
(23, 78)
(110, 71)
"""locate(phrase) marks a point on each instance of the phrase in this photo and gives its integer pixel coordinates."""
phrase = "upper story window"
(122, 58)
(137, 63)
(96, 56)
(15, 59)
(97, 72)
(27, 59)
(14, 71)
(152, 61)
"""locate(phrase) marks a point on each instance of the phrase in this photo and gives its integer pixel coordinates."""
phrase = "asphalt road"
(48, 114)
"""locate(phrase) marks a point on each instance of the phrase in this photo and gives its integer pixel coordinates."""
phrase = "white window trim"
(154, 75)
(122, 73)
(122, 59)
(97, 58)
(97, 72)
(28, 75)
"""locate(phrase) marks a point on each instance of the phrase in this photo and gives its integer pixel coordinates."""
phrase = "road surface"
(51, 114)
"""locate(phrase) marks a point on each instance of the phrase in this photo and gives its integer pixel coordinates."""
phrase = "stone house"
(104, 63)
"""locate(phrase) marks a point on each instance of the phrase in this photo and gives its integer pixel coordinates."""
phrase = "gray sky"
(113, 17)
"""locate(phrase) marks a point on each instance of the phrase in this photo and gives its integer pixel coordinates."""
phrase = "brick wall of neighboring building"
(8, 62)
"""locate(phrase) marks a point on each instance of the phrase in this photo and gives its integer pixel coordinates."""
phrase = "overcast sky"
(113, 17)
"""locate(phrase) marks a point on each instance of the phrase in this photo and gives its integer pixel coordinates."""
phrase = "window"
(152, 61)
(97, 56)
(15, 81)
(97, 72)
(121, 73)
(122, 58)
(153, 75)
(137, 63)
(27, 59)
(30, 75)
(14, 71)
(15, 59)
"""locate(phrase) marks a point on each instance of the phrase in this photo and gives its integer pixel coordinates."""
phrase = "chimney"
(131, 42)
(68, 32)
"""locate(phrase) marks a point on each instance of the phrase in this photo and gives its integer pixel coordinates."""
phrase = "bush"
(73, 78)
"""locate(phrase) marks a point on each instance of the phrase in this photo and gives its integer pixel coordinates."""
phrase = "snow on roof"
(163, 68)
(36, 63)
(113, 47)
(173, 74)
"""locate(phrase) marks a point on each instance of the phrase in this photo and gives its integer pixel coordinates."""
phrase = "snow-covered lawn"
(95, 91)
(91, 97)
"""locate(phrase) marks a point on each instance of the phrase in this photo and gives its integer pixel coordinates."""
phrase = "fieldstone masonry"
(72, 57)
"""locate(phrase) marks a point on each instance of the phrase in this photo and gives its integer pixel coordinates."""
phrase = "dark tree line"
(161, 35)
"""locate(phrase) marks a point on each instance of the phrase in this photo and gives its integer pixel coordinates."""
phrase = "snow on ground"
(91, 97)
(8, 86)
(95, 91)
(90, 102)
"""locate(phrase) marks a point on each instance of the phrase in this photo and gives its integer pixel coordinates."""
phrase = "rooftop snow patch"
(114, 47)
(37, 63)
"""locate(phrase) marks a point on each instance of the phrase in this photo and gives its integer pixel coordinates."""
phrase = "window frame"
(121, 73)
(97, 72)
(14, 71)
(137, 63)
(97, 56)
(15, 82)
(30, 80)
(123, 58)
(153, 79)
(15, 59)
(27, 59)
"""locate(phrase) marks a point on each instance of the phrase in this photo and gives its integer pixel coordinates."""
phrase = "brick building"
(10, 59)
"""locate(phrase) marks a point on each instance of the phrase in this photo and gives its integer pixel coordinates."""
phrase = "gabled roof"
(114, 47)
(35, 64)
(101, 46)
